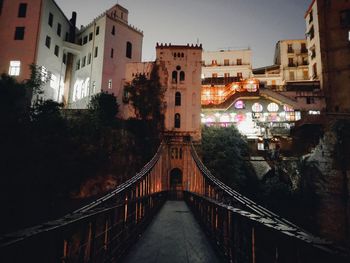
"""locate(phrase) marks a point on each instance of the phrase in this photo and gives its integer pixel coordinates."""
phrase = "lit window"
(257, 107)
(15, 68)
(177, 120)
(287, 108)
(110, 84)
(239, 104)
(272, 107)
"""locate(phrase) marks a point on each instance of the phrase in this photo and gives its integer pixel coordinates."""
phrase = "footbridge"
(173, 210)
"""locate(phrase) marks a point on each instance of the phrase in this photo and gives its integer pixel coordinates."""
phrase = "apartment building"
(328, 36)
(292, 56)
(227, 63)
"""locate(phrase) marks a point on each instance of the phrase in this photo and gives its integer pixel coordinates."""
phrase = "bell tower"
(180, 73)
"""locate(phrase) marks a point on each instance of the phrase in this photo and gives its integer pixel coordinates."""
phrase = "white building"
(313, 42)
(292, 56)
(227, 63)
(106, 46)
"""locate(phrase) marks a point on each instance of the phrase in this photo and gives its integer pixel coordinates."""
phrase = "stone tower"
(180, 74)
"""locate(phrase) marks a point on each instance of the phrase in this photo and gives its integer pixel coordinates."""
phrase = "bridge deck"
(173, 236)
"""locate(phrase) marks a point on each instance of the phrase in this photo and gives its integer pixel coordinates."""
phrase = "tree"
(104, 108)
(147, 97)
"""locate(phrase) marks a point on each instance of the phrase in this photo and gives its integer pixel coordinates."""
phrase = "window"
(310, 100)
(89, 59)
(110, 84)
(226, 62)
(214, 75)
(239, 75)
(291, 75)
(48, 41)
(96, 52)
(182, 76)
(272, 107)
(19, 33)
(311, 33)
(313, 52)
(113, 30)
(85, 40)
(59, 29)
(90, 36)
(97, 30)
(177, 99)
(290, 48)
(50, 19)
(304, 61)
(174, 77)
(112, 53)
(80, 41)
(314, 70)
(15, 68)
(1, 4)
(77, 65)
(303, 48)
(311, 17)
(177, 122)
(66, 37)
(83, 62)
(64, 58)
(57, 51)
(128, 49)
(214, 62)
(345, 18)
(226, 75)
(22, 10)
(291, 62)
(239, 61)
(306, 74)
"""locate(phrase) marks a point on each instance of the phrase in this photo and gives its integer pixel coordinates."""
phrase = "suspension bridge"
(170, 213)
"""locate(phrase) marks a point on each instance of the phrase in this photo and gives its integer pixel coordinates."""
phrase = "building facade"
(36, 32)
(327, 28)
(227, 63)
(106, 45)
(77, 63)
(292, 56)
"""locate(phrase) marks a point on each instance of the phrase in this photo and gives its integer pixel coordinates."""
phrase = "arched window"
(182, 76)
(128, 49)
(178, 54)
(113, 30)
(177, 99)
(177, 120)
(182, 55)
(174, 77)
(194, 98)
(174, 55)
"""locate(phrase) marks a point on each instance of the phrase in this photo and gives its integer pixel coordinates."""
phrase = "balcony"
(291, 65)
(219, 81)
(303, 50)
(290, 50)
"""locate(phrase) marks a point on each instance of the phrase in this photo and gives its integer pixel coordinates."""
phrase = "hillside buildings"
(79, 63)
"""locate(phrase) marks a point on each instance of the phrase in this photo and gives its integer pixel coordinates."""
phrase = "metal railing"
(246, 232)
(99, 232)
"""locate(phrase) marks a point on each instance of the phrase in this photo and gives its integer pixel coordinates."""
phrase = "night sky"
(217, 24)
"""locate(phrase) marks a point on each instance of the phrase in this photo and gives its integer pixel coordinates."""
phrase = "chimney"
(73, 22)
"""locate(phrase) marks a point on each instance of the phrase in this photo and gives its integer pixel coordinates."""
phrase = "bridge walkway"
(173, 236)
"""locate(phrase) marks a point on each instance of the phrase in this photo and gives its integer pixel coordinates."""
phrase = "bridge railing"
(98, 232)
(246, 232)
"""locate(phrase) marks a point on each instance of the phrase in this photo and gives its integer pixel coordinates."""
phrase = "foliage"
(103, 108)
(147, 97)
(223, 151)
